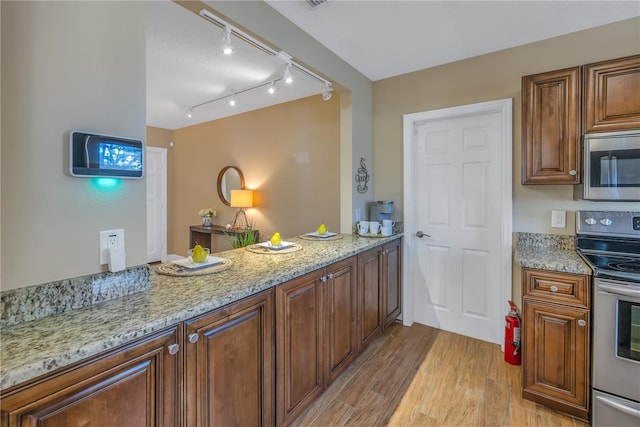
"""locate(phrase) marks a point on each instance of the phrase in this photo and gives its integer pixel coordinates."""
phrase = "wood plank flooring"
(420, 376)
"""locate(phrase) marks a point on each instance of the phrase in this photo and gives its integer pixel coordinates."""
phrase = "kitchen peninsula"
(324, 302)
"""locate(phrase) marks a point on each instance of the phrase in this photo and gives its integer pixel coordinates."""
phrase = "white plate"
(283, 245)
(187, 263)
(327, 234)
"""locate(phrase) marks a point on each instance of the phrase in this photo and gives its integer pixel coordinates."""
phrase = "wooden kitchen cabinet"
(391, 282)
(299, 345)
(379, 291)
(229, 365)
(369, 297)
(556, 340)
(551, 127)
(134, 385)
(341, 332)
(612, 95)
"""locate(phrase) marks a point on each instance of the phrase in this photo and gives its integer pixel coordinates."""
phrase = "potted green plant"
(240, 239)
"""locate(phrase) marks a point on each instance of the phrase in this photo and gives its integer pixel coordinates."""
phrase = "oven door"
(616, 338)
(612, 166)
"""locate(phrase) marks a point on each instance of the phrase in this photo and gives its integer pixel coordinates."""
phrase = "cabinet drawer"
(566, 288)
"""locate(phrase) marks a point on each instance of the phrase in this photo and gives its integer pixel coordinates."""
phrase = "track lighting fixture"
(227, 47)
(287, 74)
(189, 111)
(227, 30)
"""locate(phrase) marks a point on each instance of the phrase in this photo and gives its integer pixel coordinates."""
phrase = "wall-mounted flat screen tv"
(99, 155)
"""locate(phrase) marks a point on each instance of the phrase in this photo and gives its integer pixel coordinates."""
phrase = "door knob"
(420, 234)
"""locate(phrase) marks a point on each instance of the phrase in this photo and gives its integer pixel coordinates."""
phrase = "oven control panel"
(608, 223)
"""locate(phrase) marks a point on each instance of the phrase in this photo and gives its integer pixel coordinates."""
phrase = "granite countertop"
(35, 348)
(549, 252)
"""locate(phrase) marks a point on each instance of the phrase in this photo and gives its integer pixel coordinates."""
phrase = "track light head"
(232, 101)
(272, 88)
(227, 47)
(326, 91)
(287, 74)
(189, 111)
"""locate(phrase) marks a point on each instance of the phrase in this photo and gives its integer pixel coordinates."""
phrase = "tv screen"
(105, 155)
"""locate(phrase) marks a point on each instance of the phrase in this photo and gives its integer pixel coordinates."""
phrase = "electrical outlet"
(558, 219)
(110, 239)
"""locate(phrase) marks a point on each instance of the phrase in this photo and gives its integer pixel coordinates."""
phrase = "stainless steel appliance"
(382, 209)
(611, 167)
(610, 243)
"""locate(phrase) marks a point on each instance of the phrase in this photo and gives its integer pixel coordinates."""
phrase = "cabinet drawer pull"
(553, 288)
(331, 276)
(573, 172)
(582, 322)
(324, 279)
(173, 349)
(193, 338)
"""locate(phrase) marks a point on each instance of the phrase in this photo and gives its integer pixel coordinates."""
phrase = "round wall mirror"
(229, 178)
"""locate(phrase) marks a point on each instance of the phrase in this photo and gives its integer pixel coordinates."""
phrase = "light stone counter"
(35, 348)
(549, 252)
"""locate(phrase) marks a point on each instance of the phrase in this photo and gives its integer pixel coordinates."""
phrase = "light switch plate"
(110, 239)
(558, 219)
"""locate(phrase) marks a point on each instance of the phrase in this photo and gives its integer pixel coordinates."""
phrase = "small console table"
(203, 235)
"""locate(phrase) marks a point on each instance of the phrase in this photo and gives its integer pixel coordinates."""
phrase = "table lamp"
(241, 199)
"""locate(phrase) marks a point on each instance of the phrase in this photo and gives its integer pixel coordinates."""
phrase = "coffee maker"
(380, 210)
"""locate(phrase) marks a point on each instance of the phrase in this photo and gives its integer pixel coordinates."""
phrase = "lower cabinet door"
(369, 297)
(229, 365)
(135, 385)
(299, 345)
(556, 356)
(391, 282)
(340, 320)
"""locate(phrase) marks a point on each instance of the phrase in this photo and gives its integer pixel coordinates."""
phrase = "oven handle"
(619, 290)
(620, 407)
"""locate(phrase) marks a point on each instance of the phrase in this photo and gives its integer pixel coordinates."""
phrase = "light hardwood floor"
(420, 376)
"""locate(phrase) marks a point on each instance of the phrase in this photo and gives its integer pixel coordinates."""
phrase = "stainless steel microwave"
(611, 167)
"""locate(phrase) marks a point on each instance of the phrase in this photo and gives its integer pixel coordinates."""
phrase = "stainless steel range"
(610, 243)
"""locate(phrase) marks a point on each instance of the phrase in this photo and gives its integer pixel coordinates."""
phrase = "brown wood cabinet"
(369, 297)
(316, 330)
(551, 127)
(340, 328)
(134, 385)
(391, 282)
(229, 365)
(379, 290)
(612, 95)
(299, 345)
(556, 340)
(222, 368)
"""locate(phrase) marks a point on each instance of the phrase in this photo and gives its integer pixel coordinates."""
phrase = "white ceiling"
(186, 67)
(383, 39)
(379, 38)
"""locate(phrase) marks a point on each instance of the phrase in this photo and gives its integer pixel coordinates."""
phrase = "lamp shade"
(241, 198)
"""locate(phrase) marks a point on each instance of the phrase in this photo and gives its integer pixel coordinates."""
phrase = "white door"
(457, 164)
(156, 175)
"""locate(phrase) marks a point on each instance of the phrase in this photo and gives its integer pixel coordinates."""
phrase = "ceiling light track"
(233, 94)
(227, 27)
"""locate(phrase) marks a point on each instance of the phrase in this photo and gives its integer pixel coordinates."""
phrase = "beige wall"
(45, 94)
(485, 78)
(60, 73)
(289, 155)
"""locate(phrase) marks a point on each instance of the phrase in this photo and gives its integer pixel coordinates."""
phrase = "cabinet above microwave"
(559, 106)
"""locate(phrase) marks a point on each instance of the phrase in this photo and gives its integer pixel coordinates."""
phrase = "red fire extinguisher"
(512, 353)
